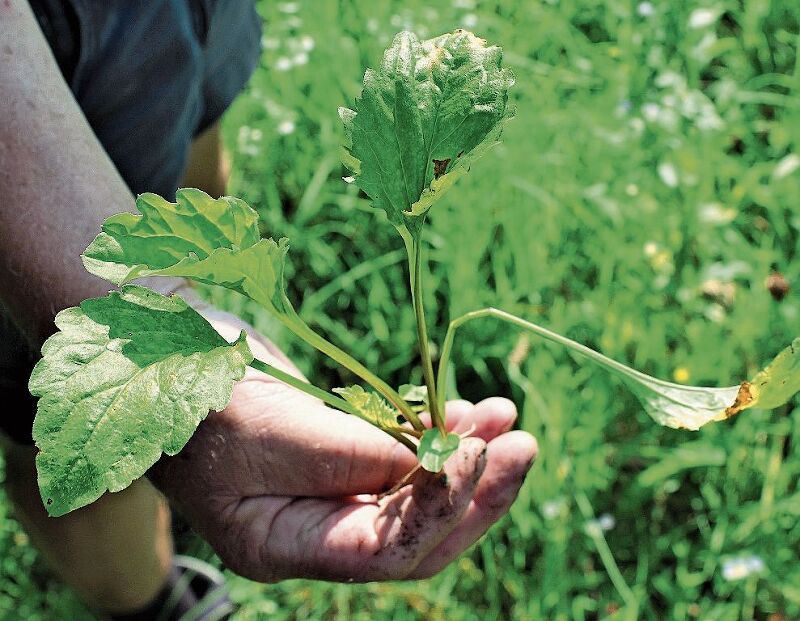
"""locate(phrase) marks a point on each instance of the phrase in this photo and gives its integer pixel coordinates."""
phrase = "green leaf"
(671, 405)
(435, 449)
(423, 117)
(127, 378)
(372, 408)
(214, 241)
(774, 385)
(678, 406)
(413, 393)
(691, 407)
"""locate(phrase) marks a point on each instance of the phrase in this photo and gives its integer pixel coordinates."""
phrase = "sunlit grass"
(643, 195)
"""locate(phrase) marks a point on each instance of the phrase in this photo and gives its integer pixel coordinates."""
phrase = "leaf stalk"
(415, 274)
(332, 400)
(301, 329)
(447, 346)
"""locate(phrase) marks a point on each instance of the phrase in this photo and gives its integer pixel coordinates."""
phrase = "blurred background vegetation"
(644, 202)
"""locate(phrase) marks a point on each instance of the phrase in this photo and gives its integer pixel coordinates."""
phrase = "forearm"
(56, 182)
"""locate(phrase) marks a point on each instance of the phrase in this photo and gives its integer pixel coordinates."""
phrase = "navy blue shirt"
(150, 75)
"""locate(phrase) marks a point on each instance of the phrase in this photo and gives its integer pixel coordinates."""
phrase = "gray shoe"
(194, 591)
(206, 583)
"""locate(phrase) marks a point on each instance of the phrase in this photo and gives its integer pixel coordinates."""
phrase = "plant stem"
(302, 330)
(447, 346)
(305, 387)
(332, 400)
(415, 275)
(607, 557)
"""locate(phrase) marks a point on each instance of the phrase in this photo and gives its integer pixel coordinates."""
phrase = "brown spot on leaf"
(743, 399)
(439, 166)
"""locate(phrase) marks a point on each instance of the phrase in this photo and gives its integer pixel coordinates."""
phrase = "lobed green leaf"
(414, 393)
(127, 378)
(214, 241)
(372, 408)
(435, 449)
(423, 117)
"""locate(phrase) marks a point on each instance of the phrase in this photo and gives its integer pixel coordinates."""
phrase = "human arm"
(56, 181)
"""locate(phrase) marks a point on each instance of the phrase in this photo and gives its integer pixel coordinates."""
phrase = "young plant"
(130, 376)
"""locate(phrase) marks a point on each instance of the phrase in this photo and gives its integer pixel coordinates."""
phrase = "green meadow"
(645, 201)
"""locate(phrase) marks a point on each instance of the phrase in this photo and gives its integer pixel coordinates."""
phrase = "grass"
(644, 193)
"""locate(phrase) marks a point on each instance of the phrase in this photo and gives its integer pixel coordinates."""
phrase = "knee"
(20, 471)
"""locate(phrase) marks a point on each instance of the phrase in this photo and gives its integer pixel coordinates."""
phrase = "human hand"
(284, 487)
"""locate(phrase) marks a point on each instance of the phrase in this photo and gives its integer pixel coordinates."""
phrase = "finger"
(350, 540)
(487, 419)
(508, 459)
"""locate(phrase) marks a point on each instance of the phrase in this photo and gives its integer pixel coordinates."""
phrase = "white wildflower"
(668, 174)
(670, 79)
(716, 214)
(702, 18)
(646, 9)
(289, 7)
(597, 526)
(606, 522)
(552, 509)
(282, 63)
(270, 43)
(650, 111)
(741, 567)
(285, 127)
(307, 43)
